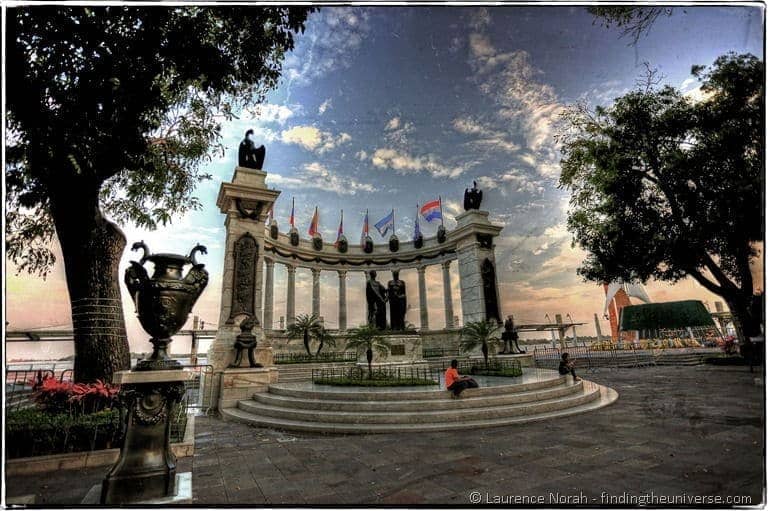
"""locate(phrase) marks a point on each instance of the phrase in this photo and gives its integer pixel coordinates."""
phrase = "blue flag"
(387, 223)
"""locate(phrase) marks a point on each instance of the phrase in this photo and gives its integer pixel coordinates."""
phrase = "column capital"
(421, 268)
(316, 271)
(269, 261)
(446, 264)
(291, 268)
(342, 273)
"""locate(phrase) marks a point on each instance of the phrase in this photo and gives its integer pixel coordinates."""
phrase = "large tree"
(112, 111)
(665, 187)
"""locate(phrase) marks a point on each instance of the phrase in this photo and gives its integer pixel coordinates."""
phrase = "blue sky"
(388, 107)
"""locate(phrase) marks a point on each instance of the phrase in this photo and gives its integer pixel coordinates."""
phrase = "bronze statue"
(376, 297)
(250, 156)
(397, 300)
(510, 338)
(246, 340)
(489, 282)
(472, 198)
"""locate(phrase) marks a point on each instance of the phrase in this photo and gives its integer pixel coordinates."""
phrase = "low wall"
(430, 339)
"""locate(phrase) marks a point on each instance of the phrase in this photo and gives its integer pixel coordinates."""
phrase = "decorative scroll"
(244, 276)
(490, 290)
(392, 260)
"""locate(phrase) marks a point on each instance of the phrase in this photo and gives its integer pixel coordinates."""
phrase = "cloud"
(361, 155)
(523, 101)
(313, 139)
(404, 163)
(323, 107)
(331, 40)
(487, 137)
(315, 175)
(274, 113)
(396, 131)
(393, 124)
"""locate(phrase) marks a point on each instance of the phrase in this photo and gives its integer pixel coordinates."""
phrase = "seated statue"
(250, 156)
(472, 199)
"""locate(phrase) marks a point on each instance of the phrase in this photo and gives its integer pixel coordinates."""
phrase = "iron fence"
(401, 375)
(494, 365)
(199, 389)
(304, 358)
(20, 384)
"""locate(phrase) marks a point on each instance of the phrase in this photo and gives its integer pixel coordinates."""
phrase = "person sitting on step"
(457, 383)
(567, 366)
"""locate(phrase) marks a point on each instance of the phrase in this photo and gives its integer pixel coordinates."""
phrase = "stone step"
(606, 397)
(300, 390)
(447, 414)
(464, 403)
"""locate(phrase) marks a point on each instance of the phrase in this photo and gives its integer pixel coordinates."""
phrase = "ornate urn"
(164, 301)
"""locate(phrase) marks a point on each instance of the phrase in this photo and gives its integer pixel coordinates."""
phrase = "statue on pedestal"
(472, 198)
(510, 338)
(249, 155)
(376, 299)
(397, 300)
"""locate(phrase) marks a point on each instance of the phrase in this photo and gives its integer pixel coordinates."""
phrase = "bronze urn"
(164, 301)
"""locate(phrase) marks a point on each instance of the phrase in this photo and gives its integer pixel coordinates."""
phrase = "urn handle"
(197, 248)
(141, 244)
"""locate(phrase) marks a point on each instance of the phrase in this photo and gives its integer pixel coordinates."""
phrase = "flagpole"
(393, 212)
(441, 210)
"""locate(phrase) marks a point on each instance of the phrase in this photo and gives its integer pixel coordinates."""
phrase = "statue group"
(377, 298)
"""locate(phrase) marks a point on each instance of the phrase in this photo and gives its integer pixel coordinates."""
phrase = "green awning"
(651, 316)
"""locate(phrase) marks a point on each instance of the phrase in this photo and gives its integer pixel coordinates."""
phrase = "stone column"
(448, 310)
(291, 271)
(316, 291)
(423, 298)
(343, 303)
(267, 322)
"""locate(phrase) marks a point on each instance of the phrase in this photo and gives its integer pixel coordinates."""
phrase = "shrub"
(31, 432)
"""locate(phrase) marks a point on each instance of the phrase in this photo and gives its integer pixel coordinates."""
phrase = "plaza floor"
(679, 432)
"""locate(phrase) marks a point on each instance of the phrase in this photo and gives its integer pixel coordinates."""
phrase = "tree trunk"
(485, 352)
(369, 357)
(747, 317)
(306, 341)
(91, 248)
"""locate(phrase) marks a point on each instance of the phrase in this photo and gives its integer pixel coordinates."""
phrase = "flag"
(313, 229)
(339, 231)
(365, 228)
(387, 223)
(417, 232)
(291, 217)
(432, 210)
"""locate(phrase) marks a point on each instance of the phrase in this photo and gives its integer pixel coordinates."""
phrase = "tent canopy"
(651, 316)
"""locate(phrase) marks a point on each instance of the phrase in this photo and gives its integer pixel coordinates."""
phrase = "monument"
(376, 298)
(397, 300)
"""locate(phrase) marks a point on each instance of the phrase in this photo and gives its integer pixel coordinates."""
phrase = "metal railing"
(304, 358)
(20, 385)
(199, 389)
(494, 365)
(402, 375)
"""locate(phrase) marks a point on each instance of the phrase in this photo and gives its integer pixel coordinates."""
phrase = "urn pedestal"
(146, 468)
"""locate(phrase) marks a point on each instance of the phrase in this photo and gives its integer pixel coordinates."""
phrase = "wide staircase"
(302, 406)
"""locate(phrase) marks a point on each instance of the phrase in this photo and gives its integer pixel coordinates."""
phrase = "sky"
(390, 107)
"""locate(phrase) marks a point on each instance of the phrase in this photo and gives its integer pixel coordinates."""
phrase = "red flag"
(313, 229)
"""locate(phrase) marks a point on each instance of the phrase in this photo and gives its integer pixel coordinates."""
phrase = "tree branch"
(703, 281)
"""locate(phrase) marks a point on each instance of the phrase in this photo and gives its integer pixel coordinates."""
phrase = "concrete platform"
(539, 394)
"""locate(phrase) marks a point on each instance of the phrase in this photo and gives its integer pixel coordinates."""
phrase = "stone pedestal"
(405, 350)
(476, 251)
(238, 384)
(146, 468)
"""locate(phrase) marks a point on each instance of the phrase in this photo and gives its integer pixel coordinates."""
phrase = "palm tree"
(324, 337)
(477, 333)
(370, 338)
(305, 326)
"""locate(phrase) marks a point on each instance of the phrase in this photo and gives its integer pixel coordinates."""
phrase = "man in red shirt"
(455, 382)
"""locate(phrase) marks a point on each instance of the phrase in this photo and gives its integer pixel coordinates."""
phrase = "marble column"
(423, 298)
(291, 272)
(316, 291)
(343, 303)
(267, 322)
(449, 313)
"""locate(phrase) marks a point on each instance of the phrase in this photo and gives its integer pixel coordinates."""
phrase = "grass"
(507, 371)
